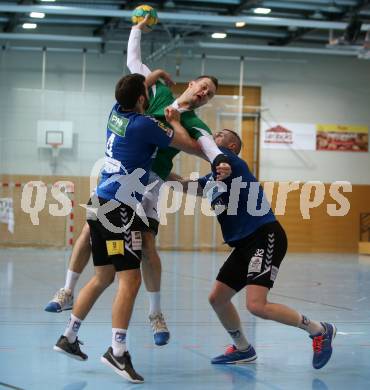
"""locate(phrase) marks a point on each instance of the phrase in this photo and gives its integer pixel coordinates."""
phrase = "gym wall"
(304, 89)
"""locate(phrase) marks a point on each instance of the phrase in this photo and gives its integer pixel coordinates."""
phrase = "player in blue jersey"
(115, 228)
(198, 93)
(249, 226)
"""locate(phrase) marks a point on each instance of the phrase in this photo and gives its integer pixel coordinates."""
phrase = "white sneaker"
(161, 333)
(63, 300)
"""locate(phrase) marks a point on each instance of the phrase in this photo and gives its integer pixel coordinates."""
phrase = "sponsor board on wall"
(347, 138)
(288, 136)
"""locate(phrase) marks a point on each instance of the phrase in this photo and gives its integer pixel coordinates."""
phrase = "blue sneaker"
(321, 345)
(232, 356)
(161, 334)
(63, 300)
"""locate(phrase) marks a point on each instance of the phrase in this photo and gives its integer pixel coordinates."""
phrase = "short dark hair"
(212, 78)
(237, 139)
(128, 90)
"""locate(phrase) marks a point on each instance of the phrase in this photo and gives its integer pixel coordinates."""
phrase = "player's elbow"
(192, 146)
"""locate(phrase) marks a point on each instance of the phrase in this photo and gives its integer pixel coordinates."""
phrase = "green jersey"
(161, 97)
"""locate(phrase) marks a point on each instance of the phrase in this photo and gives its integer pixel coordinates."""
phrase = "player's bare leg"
(151, 269)
(63, 298)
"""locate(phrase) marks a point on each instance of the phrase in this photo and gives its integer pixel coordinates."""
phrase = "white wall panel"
(305, 89)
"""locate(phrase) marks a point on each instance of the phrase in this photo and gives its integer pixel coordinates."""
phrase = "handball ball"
(139, 13)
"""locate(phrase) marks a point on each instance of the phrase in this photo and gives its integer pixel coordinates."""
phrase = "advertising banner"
(348, 138)
(288, 136)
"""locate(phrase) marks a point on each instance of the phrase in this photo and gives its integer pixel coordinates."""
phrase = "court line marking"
(309, 301)
(349, 333)
(314, 283)
(10, 386)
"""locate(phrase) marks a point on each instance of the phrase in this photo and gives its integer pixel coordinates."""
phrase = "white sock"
(118, 341)
(71, 280)
(72, 328)
(154, 302)
(240, 342)
(312, 327)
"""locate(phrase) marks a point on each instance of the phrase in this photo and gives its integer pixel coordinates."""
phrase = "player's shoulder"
(137, 121)
(235, 160)
(117, 110)
(162, 86)
(147, 121)
(150, 120)
(161, 89)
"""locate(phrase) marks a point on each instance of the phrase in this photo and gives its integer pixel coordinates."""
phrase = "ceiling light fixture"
(218, 35)
(240, 24)
(37, 15)
(47, 1)
(262, 11)
(29, 26)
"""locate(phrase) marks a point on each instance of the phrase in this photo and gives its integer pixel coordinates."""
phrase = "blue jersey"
(244, 211)
(132, 143)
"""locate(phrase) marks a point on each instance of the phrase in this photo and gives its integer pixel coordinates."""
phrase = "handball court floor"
(327, 287)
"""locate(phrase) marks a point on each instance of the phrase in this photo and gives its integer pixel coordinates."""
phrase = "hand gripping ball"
(139, 13)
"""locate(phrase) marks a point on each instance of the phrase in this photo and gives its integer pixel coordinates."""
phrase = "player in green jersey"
(198, 93)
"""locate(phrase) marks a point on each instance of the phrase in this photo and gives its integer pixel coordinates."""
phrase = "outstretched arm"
(134, 62)
(208, 146)
(181, 139)
(202, 134)
(219, 161)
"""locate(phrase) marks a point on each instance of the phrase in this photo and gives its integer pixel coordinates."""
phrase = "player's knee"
(257, 308)
(136, 281)
(101, 282)
(84, 237)
(216, 300)
(149, 253)
(131, 285)
(131, 291)
(151, 258)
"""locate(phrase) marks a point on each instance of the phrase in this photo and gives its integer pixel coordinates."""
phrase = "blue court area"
(327, 287)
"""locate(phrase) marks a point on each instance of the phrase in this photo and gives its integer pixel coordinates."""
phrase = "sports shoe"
(321, 345)
(63, 300)
(70, 349)
(232, 355)
(122, 365)
(161, 334)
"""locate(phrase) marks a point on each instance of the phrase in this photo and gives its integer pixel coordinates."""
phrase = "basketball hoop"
(54, 139)
(54, 136)
(55, 148)
(54, 143)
